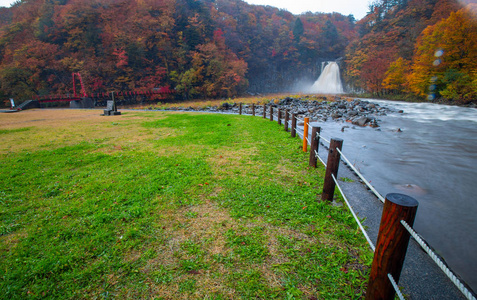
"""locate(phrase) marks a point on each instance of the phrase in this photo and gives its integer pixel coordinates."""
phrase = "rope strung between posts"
(299, 133)
(439, 262)
(316, 154)
(354, 215)
(310, 127)
(300, 120)
(414, 234)
(396, 287)
(321, 137)
(361, 176)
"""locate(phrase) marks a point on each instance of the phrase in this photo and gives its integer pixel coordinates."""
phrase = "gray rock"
(361, 113)
(361, 121)
(370, 106)
(336, 115)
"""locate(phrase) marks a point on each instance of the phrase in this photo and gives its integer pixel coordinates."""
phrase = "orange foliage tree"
(378, 61)
(396, 76)
(206, 48)
(445, 62)
(222, 74)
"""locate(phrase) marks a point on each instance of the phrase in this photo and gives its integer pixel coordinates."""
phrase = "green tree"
(15, 82)
(298, 29)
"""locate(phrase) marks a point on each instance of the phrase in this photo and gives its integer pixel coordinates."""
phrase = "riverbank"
(427, 152)
(414, 136)
(318, 108)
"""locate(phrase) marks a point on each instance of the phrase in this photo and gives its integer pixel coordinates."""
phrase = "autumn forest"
(413, 49)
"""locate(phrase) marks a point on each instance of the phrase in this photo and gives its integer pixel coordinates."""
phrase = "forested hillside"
(223, 48)
(424, 48)
(200, 48)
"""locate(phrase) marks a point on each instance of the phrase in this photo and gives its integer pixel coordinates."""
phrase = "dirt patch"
(203, 225)
(48, 118)
(206, 225)
(222, 162)
(11, 240)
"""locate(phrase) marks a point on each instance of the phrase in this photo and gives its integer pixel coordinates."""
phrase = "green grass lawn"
(168, 206)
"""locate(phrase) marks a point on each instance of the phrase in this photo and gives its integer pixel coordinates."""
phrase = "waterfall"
(329, 81)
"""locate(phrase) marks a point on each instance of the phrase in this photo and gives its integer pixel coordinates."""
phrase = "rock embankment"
(358, 112)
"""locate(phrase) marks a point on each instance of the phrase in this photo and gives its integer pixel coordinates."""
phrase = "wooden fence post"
(253, 109)
(331, 168)
(279, 117)
(315, 140)
(287, 119)
(264, 111)
(305, 134)
(240, 108)
(293, 127)
(391, 246)
(271, 112)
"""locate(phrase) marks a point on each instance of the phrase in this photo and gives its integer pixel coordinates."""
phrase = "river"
(428, 152)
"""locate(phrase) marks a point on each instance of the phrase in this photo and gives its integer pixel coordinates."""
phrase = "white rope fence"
(318, 156)
(354, 215)
(439, 262)
(299, 133)
(418, 239)
(396, 287)
(380, 197)
(433, 256)
(321, 137)
(309, 126)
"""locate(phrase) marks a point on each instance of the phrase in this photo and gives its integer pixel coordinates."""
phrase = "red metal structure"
(122, 98)
(82, 86)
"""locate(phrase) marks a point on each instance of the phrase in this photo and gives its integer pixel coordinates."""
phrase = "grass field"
(167, 206)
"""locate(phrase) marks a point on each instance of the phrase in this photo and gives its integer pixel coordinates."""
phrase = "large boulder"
(361, 121)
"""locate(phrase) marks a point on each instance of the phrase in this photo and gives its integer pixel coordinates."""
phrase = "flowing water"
(428, 152)
(329, 81)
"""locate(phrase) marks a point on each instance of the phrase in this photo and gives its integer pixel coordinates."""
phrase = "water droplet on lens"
(437, 62)
(439, 53)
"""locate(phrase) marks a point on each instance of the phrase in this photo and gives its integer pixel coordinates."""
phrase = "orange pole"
(305, 135)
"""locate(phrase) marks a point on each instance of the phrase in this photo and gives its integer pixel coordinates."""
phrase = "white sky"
(358, 8)
(6, 3)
